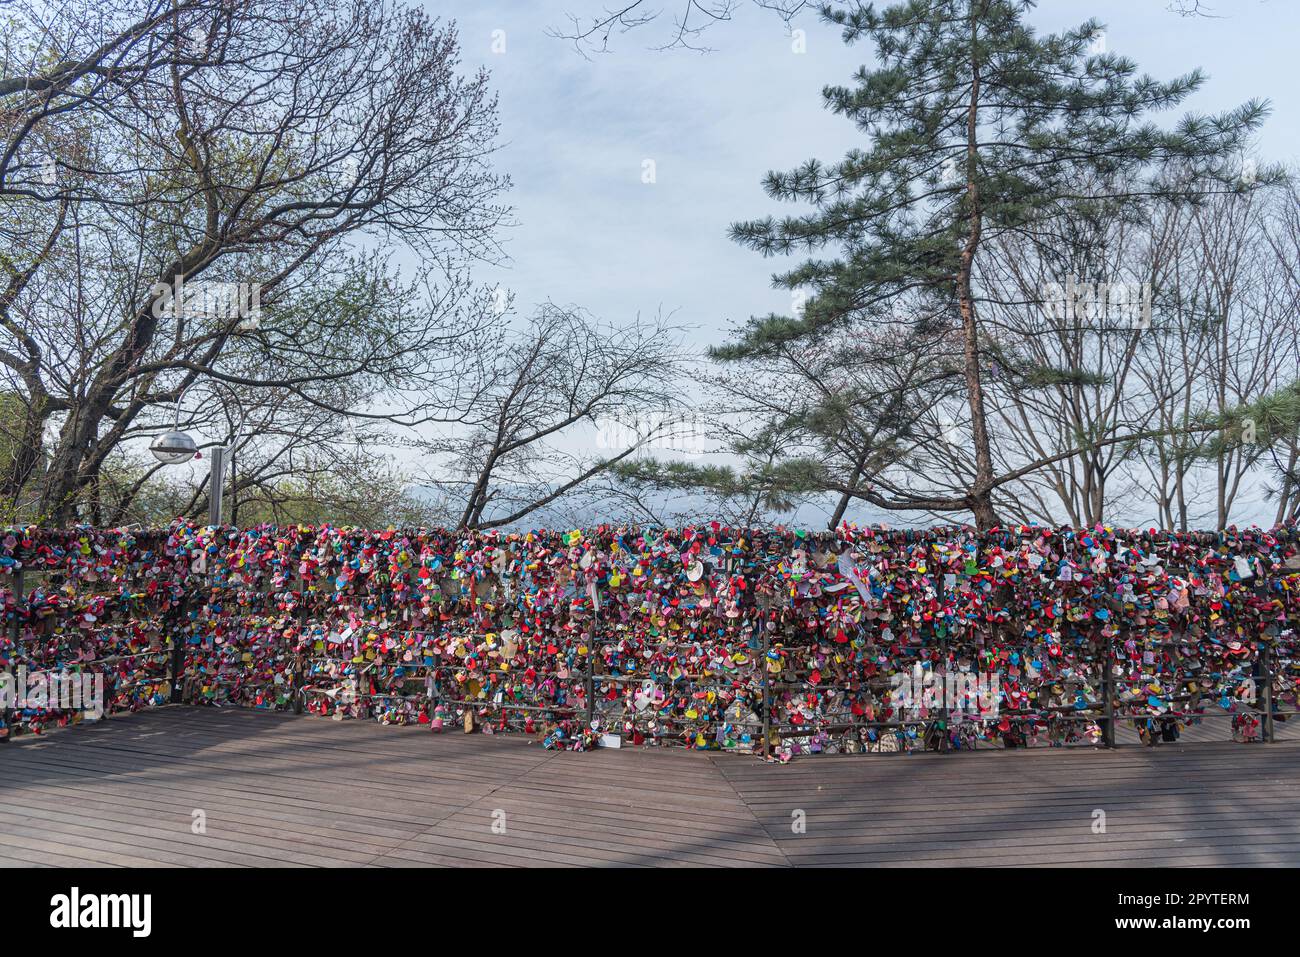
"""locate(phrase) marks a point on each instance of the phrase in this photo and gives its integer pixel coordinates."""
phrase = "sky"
(578, 131)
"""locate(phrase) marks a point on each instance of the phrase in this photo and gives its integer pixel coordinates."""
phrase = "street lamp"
(175, 447)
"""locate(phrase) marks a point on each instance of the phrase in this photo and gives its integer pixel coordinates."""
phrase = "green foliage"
(1270, 421)
(1020, 373)
(775, 487)
(11, 415)
(1057, 130)
(377, 502)
(16, 507)
(981, 134)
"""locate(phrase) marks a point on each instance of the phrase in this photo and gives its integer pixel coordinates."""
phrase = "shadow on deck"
(278, 790)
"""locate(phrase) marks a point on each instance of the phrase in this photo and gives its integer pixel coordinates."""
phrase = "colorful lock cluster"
(763, 641)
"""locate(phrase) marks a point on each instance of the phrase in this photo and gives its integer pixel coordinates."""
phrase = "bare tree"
(524, 443)
(689, 20)
(1063, 350)
(1283, 235)
(265, 141)
(1191, 8)
(821, 423)
(1228, 337)
(66, 65)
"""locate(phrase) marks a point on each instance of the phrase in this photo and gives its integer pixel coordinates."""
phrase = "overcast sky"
(577, 133)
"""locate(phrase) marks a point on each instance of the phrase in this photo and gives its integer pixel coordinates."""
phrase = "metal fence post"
(216, 483)
(767, 695)
(15, 633)
(591, 657)
(1266, 675)
(297, 679)
(946, 710)
(1108, 693)
(181, 614)
(15, 630)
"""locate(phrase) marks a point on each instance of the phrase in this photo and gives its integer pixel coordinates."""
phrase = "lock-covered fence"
(762, 641)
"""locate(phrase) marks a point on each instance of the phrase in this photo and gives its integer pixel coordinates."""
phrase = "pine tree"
(977, 128)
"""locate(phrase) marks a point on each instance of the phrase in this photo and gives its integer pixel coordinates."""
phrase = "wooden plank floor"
(279, 790)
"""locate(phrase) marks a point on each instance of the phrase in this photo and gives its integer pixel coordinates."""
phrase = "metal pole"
(15, 633)
(943, 652)
(234, 486)
(178, 647)
(216, 484)
(15, 630)
(1266, 675)
(1108, 692)
(591, 654)
(767, 696)
(298, 655)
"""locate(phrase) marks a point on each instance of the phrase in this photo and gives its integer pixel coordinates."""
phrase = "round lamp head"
(172, 448)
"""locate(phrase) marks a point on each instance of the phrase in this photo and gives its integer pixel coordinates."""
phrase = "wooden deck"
(278, 790)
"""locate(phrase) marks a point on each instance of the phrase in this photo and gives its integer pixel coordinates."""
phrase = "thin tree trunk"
(27, 450)
(981, 498)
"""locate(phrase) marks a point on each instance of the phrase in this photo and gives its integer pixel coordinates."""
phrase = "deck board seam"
(546, 756)
(753, 817)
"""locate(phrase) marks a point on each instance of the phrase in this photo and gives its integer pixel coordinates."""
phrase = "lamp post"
(175, 447)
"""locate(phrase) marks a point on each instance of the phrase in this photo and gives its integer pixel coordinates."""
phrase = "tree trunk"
(981, 497)
(27, 450)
